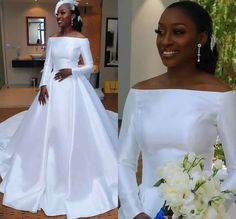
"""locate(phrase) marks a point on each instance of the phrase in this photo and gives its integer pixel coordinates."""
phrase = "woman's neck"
(184, 73)
(66, 31)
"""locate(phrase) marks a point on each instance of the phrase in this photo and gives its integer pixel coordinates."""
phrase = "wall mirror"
(111, 42)
(36, 30)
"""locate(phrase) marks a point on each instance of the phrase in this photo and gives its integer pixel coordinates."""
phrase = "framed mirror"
(111, 42)
(36, 30)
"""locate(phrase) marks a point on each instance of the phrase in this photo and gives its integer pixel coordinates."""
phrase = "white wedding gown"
(164, 125)
(61, 156)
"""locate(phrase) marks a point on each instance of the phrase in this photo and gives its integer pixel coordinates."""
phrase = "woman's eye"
(179, 32)
(159, 32)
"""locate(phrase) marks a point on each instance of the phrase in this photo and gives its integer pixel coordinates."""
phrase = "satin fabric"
(61, 156)
(164, 125)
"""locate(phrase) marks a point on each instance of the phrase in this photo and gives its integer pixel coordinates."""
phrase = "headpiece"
(73, 3)
(213, 42)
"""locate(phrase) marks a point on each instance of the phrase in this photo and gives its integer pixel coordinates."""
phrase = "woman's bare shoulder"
(215, 84)
(54, 35)
(78, 35)
(152, 83)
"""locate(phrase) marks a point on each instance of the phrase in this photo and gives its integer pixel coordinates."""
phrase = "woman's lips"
(59, 22)
(169, 53)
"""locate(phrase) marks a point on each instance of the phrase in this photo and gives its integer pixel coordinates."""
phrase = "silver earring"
(199, 52)
(72, 19)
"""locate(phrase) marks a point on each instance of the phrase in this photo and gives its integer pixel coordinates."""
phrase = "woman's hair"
(201, 18)
(77, 21)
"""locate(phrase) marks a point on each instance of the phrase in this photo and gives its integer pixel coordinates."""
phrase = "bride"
(180, 111)
(59, 156)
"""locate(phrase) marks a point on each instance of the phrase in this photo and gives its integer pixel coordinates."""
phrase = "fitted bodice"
(172, 122)
(166, 124)
(65, 51)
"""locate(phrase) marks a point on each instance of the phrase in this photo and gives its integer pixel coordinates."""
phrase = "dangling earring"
(199, 52)
(72, 21)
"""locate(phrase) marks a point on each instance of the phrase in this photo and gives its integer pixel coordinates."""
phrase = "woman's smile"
(169, 53)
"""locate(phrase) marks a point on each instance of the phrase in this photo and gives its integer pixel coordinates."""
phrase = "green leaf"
(159, 182)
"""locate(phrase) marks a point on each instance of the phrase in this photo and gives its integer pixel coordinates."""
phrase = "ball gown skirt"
(60, 157)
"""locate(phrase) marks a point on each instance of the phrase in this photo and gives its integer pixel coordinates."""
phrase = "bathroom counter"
(27, 63)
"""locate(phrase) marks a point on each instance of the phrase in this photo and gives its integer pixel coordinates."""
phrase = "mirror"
(36, 30)
(111, 42)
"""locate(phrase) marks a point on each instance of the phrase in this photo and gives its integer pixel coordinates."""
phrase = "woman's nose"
(167, 39)
(58, 15)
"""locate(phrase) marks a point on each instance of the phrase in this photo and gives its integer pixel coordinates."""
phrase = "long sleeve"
(87, 69)
(47, 69)
(227, 132)
(128, 156)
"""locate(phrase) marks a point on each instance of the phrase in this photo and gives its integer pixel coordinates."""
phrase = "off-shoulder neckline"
(182, 89)
(80, 38)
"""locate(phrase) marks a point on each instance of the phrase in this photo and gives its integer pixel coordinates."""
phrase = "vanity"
(36, 36)
(27, 63)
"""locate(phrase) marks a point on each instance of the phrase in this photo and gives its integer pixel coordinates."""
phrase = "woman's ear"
(202, 38)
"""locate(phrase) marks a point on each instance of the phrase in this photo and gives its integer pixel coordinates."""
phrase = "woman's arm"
(226, 126)
(87, 68)
(131, 206)
(47, 69)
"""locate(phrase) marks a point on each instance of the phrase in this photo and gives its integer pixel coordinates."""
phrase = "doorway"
(2, 78)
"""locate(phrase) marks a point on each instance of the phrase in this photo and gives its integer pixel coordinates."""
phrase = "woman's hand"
(142, 216)
(43, 95)
(62, 74)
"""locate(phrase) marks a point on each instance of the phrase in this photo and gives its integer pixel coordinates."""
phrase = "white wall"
(138, 55)
(14, 29)
(109, 9)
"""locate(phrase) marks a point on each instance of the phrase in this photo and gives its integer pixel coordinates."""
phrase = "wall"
(92, 21)
(109, 9)
(22, 76)
(138, 55)
(15, 35)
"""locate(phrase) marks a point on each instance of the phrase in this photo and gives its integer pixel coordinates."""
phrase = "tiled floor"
(16, 97)
(22, 97)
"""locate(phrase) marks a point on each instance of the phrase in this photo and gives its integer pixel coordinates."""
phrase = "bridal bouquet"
(190, 191)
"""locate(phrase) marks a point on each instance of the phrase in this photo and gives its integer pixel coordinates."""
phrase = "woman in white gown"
(60, 155)
(181, 111)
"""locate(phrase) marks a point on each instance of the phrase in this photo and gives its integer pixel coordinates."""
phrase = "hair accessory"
(79, 18)
(73, 4)
(199, 45)
(213, 42)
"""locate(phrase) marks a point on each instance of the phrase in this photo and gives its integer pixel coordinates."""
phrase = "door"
(2, 78)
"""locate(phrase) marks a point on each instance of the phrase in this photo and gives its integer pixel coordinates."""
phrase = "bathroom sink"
(36, 56)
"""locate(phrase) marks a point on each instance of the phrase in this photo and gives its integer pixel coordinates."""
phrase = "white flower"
(191, 157)
(169, 169)
(221, 211)
(218, 164)
(190, 191)
(211, 213)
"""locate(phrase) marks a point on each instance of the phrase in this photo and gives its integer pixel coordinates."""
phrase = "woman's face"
(64, 16)
(177, 38)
